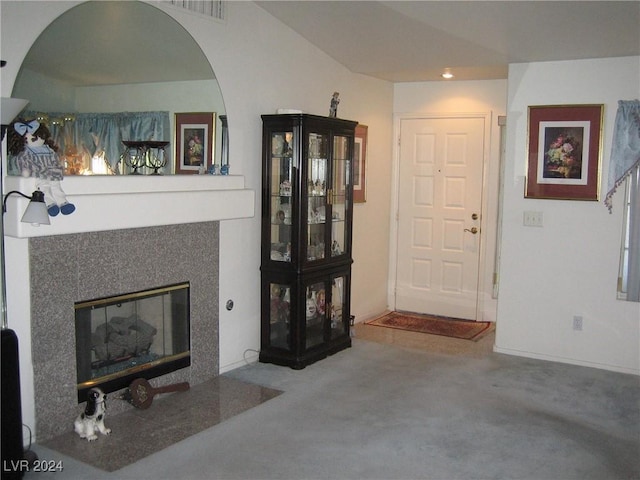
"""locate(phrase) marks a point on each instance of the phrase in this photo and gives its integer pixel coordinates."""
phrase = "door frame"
(395, 194)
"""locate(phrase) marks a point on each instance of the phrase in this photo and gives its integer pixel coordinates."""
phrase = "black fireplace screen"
(141, 334)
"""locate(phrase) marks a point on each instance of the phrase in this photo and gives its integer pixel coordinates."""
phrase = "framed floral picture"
(194, 140)
(359, 164)
(564, 152)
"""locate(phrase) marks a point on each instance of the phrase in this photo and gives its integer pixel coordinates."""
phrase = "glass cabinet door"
(338, 306)
(280, 315)
(338, 194)
(315, 313)
(281, 181)
(317, 176)
(326, 307)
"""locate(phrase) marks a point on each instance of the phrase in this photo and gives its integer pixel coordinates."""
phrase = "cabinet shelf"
(306, 238)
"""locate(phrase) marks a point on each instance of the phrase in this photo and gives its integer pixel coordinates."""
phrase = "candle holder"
(156, 156)
(133, 156)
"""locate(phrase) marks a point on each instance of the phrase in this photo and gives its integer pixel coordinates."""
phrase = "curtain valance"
(625, 150)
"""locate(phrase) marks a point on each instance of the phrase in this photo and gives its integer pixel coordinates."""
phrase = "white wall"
(570, 265)
(260, 65)
(371, 219)
(46, 94)
(192, 96)
(478, 97)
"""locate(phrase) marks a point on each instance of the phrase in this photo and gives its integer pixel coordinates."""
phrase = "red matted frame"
(360, 164)
(564, 152)
(194, 140)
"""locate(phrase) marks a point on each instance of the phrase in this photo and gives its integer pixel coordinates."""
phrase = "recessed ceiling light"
(447, 74)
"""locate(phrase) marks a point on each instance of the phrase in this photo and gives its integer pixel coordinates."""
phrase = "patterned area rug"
(434, 325)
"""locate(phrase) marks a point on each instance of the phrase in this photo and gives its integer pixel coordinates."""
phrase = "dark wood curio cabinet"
(307, 213)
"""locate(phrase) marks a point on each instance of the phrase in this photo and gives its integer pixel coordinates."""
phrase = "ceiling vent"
(210, 8)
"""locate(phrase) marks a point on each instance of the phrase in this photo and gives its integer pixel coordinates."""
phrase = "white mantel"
(116, 202)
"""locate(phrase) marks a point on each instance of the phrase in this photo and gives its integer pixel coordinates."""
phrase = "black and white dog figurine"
(92, 419)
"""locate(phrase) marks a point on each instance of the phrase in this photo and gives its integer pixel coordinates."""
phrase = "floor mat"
(434, 325)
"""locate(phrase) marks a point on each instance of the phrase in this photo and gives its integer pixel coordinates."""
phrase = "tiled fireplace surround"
(65, 269)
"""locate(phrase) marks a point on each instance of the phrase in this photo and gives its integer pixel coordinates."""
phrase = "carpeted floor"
(434, 325)
(412, 407)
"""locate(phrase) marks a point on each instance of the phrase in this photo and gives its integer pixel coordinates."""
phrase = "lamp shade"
(10, 108)
(36, 213)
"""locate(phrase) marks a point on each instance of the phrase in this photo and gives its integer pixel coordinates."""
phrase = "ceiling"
(408, 41)
(398, 41)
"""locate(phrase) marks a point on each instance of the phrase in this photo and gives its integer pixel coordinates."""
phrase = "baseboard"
(250, 357)
(373, 316)
(571, 361)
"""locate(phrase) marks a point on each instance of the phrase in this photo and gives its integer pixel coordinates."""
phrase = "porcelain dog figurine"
(92, 419)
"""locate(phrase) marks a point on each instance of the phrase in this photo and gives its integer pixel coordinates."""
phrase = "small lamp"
(36, 213)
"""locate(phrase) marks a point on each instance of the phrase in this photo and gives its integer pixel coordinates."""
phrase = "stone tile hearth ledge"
(118, 202)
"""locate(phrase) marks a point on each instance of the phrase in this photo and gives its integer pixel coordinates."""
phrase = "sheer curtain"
(625, 163)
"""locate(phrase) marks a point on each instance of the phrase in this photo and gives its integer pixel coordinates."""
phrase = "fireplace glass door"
(142, 334)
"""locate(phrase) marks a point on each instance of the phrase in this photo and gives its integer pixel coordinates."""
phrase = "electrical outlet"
(577, 323)
(532, 219)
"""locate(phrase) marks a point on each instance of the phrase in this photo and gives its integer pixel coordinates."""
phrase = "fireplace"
(127, 234)
(137, 334)
(66, 270)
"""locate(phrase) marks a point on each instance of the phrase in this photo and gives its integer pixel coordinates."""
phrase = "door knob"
(474, 216)
(473, 230)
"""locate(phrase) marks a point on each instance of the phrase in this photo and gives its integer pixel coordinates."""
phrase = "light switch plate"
(532, 219)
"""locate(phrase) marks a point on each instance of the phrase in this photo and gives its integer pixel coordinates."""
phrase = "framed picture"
(359, 164)
(564, 152)
(195, 137)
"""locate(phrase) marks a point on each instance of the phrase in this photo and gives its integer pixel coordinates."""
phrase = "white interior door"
(440, 199)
